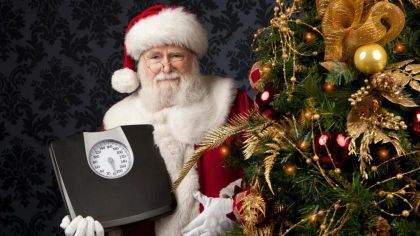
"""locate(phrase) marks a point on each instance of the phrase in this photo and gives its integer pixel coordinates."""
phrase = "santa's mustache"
(163, 76)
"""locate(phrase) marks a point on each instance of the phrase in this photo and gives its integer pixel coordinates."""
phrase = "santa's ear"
(125, 80)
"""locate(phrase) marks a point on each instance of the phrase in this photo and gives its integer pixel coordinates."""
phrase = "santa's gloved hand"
(80, 226)
(212, 221)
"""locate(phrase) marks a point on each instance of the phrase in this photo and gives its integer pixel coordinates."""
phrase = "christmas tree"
(333, 145)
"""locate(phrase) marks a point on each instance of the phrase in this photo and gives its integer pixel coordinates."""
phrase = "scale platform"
(98, 178)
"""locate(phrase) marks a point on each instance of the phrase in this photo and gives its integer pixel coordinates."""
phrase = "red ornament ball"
(335, 144)
(240, 212)
(268, 114)
(255, 75)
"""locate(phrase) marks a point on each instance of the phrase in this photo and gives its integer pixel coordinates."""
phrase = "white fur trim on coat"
(177, 129)
(125, 80)
(169, 27)
(189, 124)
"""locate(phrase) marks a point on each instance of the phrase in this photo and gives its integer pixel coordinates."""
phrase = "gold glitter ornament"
(382, 227)
(370, 58)
(266, 69)
(405, 213)
(315, 116)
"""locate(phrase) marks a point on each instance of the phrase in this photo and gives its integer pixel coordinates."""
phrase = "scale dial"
(110, 159)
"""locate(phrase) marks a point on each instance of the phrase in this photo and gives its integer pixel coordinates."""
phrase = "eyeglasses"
(155, 64)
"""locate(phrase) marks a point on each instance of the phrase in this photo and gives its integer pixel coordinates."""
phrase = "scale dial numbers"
(110, 159)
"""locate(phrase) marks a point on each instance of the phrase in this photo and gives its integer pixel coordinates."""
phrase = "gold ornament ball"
(381, 193)
(316, 158)
(405, 213)
(266, 69)
(370, 58)
(390, 196)
(399, 176)
(307, 114)
(337, 171)
(315, 116)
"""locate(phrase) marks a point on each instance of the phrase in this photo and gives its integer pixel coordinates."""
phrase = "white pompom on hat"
(157, 26)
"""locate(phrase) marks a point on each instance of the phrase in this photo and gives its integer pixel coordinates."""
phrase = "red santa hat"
(156, 26)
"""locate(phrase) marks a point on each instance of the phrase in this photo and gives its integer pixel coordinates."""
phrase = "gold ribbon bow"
(348, 24)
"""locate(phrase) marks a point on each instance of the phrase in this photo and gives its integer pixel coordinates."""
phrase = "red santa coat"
(177, 131)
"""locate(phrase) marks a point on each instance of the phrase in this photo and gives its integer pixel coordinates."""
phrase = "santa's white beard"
(167, 90)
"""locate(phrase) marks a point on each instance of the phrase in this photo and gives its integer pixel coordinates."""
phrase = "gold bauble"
(307, 114)
(370, 58)
(266, 69)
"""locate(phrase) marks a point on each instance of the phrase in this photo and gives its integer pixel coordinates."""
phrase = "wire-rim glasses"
(155, 61)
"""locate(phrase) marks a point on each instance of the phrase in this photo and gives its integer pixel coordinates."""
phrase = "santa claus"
(161, 71)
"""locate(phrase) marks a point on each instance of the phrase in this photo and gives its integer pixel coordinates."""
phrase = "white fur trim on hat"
(125, 80)
(169, 27)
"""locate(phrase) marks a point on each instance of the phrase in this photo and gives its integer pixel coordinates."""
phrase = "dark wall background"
(57, 58)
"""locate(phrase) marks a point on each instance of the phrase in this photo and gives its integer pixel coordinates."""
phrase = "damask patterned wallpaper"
(57, 58)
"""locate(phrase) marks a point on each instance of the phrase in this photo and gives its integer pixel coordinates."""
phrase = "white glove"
(80, 226)
(212, 221)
